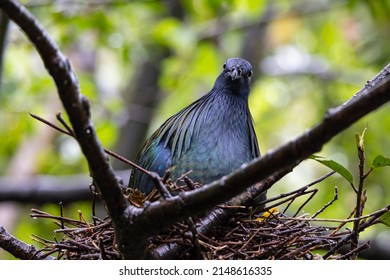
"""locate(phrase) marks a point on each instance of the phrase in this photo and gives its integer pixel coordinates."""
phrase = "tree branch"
(76, 105)
(20, 249)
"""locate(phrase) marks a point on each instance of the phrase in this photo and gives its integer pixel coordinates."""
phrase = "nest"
(250, 233)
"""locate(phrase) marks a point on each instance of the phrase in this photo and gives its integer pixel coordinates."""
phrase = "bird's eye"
(224, 66)
(250, 74)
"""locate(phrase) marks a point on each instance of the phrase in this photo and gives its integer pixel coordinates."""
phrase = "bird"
(206, 140)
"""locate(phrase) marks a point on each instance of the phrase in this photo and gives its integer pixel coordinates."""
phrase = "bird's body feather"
(209, 138)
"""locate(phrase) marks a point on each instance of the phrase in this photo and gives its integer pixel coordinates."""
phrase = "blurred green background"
(141, 61)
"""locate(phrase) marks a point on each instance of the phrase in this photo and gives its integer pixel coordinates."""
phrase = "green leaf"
(385, 219)
(335, 166)
(380, 161)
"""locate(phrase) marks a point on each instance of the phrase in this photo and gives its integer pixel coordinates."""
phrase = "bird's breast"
(220, 145)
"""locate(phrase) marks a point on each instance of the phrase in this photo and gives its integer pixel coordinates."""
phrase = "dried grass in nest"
(245, 236)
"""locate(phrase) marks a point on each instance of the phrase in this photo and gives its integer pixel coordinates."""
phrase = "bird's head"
(236, 75)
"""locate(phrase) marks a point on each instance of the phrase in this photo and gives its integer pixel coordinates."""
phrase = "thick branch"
(20, 249)
(76, 106)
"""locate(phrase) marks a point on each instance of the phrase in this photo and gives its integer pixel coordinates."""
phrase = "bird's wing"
(253, 138)
(176, 133)
(153, 157)
(170, 140)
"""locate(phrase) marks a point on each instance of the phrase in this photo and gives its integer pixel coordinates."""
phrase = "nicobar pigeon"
(210, 138)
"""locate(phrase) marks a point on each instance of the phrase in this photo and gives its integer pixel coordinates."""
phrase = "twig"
(319, 180)
(159, 184)
(335, 197)
(353, 253)
(65, 124)
(297, 192)
(70, 132)
(40, 214)
(313, 193)
(359, 196)
(50, 124)
(61, 214)
(343, 223)
(373, 214)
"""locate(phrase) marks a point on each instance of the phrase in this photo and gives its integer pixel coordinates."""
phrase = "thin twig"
(65, 124)
(69, 131)
(359, 196)
(313, 193)
(353, 253)
(132, 164)
(373, 214)
(335, 197)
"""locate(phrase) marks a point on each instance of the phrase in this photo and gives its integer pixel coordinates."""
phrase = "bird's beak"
(235, 73)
